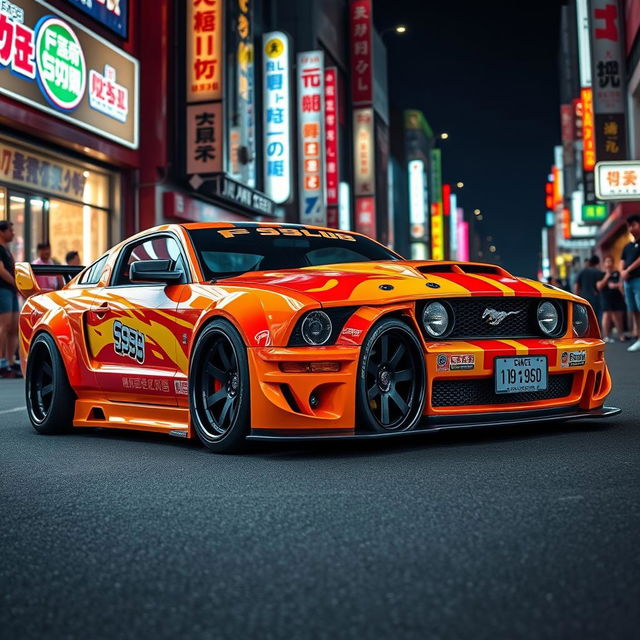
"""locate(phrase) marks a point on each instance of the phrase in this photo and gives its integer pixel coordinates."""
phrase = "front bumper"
(431, 425)
(281, 402)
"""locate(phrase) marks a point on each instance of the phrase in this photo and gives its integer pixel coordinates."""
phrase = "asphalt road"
(498, 533)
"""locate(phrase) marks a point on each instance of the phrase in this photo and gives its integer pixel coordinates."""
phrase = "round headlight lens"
(316, 328)
(435, 319)
(548, 318)
(580, 320)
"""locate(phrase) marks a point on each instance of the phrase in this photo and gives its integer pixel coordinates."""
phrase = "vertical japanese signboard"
(240, 91)
(310, 98)
(361, 28)
(588, 132)
(608, 79)
(364, 152)
(417, 199)
(277, 116)
(204, 121)
(437, 218)
(204, 31)
(331, 143)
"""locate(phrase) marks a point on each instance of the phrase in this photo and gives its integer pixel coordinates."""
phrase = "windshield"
(229, 252)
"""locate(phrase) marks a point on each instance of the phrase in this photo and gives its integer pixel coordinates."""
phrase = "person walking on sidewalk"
(611, 301)
(8, 305)
(630, 274)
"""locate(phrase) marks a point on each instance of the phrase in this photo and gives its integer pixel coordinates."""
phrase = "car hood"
(393, 281)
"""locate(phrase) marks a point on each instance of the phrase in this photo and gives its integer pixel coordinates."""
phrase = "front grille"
(462, 393)
(520, 323)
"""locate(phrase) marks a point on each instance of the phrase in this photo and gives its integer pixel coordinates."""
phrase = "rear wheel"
(50, 399)
(219, 388)
(391, 378)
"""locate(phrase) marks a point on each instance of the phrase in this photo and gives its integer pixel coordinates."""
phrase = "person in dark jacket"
(586, 283)
(611, 301)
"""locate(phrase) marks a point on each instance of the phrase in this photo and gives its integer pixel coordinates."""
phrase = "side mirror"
(154, 271)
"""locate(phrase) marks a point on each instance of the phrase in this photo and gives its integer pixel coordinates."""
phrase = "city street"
(527, 533)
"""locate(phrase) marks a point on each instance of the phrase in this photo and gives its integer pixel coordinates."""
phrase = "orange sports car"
(229, 332)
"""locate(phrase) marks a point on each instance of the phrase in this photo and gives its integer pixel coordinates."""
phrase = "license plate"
(519, 375)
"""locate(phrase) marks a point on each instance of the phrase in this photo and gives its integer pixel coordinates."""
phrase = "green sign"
(594, 213)
(63, 71)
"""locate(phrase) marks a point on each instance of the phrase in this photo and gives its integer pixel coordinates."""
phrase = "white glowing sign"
(276, 117)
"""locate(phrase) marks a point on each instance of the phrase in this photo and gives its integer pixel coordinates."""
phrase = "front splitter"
(442, 423)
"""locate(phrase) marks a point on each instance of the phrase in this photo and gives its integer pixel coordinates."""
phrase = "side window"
(156, 248)
(93, 273)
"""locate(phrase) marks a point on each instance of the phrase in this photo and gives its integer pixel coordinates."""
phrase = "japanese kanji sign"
(437, 218)
(618, 180)
(361, 28)
(363, 152)
(331, 134)
(240, 92)
(49, 174)
(204, 144)
(365, 217)
(608, 79)
(311, 137)
(52, 63)
(277, 116)
(204, 29)
(588, 133)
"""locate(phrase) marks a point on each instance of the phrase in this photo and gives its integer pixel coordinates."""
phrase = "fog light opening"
(314, 400)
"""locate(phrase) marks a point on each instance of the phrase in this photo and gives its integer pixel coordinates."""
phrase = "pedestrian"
(611, 301)
(586, 285)
(73, 258)
(8, 305)
(46, 283)
(630, 274)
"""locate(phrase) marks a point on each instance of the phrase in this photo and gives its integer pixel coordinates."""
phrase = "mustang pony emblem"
(494, 317)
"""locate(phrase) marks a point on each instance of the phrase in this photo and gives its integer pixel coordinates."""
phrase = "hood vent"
(462, 269)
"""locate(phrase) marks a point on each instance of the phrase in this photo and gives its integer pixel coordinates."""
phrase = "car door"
(135, 328)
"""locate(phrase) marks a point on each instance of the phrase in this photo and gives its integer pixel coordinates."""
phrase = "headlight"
(316, 328)
(580, 320)
(548, 318)
(435, 319)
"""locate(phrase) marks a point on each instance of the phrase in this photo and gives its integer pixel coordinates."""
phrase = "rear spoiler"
(26, 273)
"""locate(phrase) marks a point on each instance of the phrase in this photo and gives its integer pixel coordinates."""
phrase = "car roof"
(251, 224)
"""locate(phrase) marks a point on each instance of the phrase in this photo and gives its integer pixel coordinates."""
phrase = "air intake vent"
(481, 268)
(437, 268)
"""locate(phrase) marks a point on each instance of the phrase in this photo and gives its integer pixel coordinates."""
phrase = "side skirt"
(142, 417)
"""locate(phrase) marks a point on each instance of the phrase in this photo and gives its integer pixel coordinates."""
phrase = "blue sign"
(113, 14)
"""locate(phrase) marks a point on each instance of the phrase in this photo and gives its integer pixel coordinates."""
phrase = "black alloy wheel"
(49, 397)
(219, 388)
(391, 378)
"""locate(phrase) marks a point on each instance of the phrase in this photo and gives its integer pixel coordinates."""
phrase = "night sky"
(487, 74)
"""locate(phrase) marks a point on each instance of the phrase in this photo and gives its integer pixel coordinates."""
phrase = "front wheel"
(391, 378)
(219, 388)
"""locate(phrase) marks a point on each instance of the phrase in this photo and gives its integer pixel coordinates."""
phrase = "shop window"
(3, 203)
(17, 213)
(77, 227)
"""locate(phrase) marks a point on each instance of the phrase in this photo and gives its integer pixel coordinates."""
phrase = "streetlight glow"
(476, 212)
(444, 136)
(401, 28)
(460, 184)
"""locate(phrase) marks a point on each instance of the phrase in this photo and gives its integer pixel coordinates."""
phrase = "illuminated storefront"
(52, 199)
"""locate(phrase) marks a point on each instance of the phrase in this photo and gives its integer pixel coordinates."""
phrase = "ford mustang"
(229, 332)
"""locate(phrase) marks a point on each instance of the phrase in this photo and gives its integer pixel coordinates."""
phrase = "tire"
(219, 389)
(50, 399)
(391, 385)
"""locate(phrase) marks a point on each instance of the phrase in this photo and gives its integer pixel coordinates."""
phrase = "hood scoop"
(481, 269)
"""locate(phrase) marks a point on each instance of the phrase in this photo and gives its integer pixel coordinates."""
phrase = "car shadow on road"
(414, 441)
